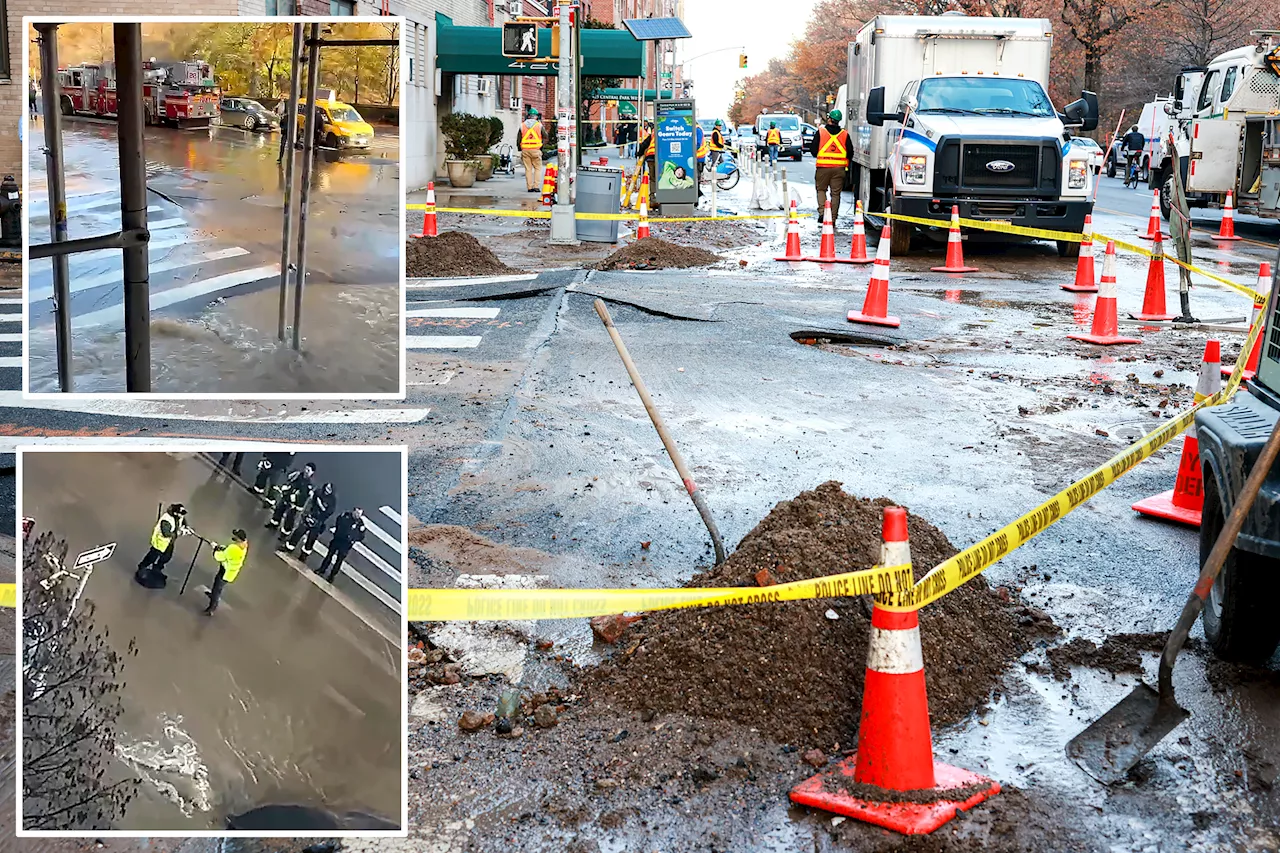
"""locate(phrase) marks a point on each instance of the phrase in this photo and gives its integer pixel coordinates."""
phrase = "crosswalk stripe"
(430, 283)
(17, 301)
(392, 514)
(166, 223)
(175, 295)
(164, 241)
(459, 313)
(42, 203)
(441, 341)
(11, 361)
(177, 411)
(10, 337)
(89, 282)
(383, 535)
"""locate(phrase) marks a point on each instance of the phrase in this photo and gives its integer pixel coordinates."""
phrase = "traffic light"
(742, 60)
(520, 39)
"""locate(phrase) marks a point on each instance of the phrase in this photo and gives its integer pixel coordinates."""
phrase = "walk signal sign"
(742, 60)
(520, 40)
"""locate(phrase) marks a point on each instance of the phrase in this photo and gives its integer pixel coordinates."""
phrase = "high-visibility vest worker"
(773, 137)
(531, 135)
(833, 149)
(717, 139)
(704, 146)
(158, 540)
(231, 558)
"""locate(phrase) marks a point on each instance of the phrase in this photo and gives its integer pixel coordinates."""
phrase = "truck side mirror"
(1084, 112)
(875, 108)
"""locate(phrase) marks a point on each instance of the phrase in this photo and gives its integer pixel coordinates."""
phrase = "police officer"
(348, 530)
(830, 145)
(323, 504)
(531, 151)
(272, 468)
(230, 559)
(171, 524)
(294, 493)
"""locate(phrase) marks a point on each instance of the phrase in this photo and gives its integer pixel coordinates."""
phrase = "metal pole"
(575, 138)
(564, 227)
(288, 136)
(308, 158)
(133, 207)
(199, 545)
(1180, 231)
(56, 171)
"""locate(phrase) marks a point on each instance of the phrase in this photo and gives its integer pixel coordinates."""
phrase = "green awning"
(478, 50)
(626, 108)
(633, 94)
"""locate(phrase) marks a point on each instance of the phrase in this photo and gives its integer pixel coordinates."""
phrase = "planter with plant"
(466, 139)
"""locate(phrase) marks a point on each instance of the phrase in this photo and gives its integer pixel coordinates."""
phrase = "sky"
(764, 29)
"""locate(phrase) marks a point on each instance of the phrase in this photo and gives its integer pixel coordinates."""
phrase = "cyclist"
(1133, 144)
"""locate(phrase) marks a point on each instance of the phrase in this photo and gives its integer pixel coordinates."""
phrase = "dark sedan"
(249, 114)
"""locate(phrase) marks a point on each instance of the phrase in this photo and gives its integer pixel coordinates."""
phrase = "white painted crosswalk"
(165, 298)
(417, 319)
(79, 284)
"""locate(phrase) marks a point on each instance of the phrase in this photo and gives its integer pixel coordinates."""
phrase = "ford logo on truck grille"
(1000, 166)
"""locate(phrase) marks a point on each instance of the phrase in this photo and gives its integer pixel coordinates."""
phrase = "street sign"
(520, 39)
(97, 555)
(666, 75)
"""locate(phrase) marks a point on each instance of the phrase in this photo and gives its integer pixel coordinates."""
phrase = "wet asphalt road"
(283, 696)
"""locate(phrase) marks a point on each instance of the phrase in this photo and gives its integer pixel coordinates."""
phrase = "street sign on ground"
(96, 555)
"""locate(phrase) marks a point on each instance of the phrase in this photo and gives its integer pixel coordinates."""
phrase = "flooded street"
(282, 698)
(215, 216)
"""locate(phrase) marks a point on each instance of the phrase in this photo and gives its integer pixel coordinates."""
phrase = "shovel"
(1119, 739)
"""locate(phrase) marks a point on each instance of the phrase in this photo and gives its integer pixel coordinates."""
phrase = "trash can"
(599, 191)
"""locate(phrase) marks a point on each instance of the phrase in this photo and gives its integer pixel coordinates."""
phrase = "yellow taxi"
(339, 125)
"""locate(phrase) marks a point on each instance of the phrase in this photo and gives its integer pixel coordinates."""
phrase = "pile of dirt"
(453, 253)
(1118, 653)
(788, 669)
(652, 253)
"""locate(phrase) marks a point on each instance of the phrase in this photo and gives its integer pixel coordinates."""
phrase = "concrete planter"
(462, 173)
(485, 171)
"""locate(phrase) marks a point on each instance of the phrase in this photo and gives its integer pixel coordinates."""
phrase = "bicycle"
(1131, 171)
(726, 170)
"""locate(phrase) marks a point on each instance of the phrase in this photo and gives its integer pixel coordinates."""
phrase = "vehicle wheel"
(1237, 621)
(1144, 172)
(1068, 249)
(1111, 168)
(1166, 196)
(250, 123)
(68, 108)
(332, 141)
(730, 180)
(799, 157)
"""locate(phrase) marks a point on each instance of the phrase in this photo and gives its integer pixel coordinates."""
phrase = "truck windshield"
(984, 96)
(786, 122)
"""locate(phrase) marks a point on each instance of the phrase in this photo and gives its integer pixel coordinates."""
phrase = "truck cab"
(1239, 620)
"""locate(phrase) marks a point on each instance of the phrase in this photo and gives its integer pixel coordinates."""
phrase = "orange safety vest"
(704, 148)
(833, 149)
(717, 140)
(773, 137)
(531, 136)
(647, 139)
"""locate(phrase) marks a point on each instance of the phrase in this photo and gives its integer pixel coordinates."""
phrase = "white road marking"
(428, 283)
(11, 361)
(441, 341)
(459, 313)
(164, 241)
(10, 337)
(383, 535)
(392, 514)
(89, 282)
(4, 302)
(162, 300)
(177, 410)
(166, 223)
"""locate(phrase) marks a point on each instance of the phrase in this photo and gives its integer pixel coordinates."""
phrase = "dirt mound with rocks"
(453, 253)
(788, 669)
(652, 253)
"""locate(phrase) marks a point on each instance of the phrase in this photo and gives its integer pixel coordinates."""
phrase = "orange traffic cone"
(1184, 502)
(1106, 329)
(1153, 306)
(644, 188)
(429, 226)
(1227, 230)
(858, 250)
(642, 230)
(876, 306)
(1153, 222)
(827, 248)
(1085, 281)
(955, 254)
(793, 237)
(1263, 288)
(895, 748)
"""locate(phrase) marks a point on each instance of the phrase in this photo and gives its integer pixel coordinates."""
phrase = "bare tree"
(70, 693)
(1097, 25)
(1201, 29)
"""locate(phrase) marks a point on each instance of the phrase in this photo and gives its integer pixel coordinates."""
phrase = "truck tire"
(68, 108)
(1166, 196)
(1144, 172)
(1111, 167)
(1238, 619)
(1068, 249)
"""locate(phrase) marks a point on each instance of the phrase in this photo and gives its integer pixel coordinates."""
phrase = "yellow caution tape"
(8, 595)
(546, 214)
(489, 605)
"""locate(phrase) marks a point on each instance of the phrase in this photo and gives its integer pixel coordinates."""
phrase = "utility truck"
(953, 110)
(1227, 131)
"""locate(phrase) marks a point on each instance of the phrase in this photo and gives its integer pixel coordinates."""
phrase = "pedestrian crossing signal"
(520, 40)
(742, 60)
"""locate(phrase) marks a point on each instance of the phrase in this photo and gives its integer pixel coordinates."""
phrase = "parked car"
(789, 131)
(247, 113)
(807, 133)
(1094, 150)
(744, 139)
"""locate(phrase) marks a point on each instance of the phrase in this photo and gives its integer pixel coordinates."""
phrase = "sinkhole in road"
(825, 337)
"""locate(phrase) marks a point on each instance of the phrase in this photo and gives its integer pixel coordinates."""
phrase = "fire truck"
(179, 94)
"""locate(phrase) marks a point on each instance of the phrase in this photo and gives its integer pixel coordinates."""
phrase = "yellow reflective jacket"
(231, 558)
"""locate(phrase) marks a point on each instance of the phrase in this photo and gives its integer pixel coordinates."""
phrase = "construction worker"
(171, 525)
(772, 140)
(272, 469)
(347, 531)
(717, 145)
(294, 494)
(648, 153)
(702, 144)
(323, 503)
(830, 145)
(531, 151)
(230, 559)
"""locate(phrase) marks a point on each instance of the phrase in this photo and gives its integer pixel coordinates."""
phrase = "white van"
(1154, 123)
(790, 130)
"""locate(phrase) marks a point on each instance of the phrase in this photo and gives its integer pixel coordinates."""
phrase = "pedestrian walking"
(531, 151)
(171, 524)
(830, 145)
(272, 470)
(235, 465)
(294, 497)
(347, 531)
(773, 140)
(323, 504)
(33, 99)
(230, 559)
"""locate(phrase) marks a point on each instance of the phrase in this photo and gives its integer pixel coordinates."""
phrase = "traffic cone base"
(908, 818)
(954, 269)
(1218, 238)
(859, 317)
(1080, 288)
(1185, 501)
(1105, 340)
(1244, 377)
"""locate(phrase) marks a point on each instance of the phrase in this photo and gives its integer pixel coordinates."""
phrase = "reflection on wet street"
(282, 698)
(215, 213)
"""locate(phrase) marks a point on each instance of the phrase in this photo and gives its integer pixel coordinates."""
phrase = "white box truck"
(969, 123)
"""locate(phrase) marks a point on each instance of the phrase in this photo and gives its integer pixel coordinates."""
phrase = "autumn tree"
(71, 685)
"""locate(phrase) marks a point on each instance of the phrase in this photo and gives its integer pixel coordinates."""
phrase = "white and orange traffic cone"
(1227, 230)
(1185, 501)
(1263, 288)
(1153, 304)
(955, 253)
(429, 225)
(827, 248)
(1086, 281)
(644, 186)
(895, 744)
(858, 249)
(793, 252)
(642, 229)
(875, 307)
(549, 176)
(1153, 221)
(1106, 326)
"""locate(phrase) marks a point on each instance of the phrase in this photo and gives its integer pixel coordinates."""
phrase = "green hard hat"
(719, 123)
(532, 111)
(773, 124)
(835, 115)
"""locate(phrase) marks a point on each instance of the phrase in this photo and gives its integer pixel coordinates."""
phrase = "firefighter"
(230, 559)
(531, 151)
(772, 140)
(323, 503)
(171, 525)
(294, 494)
(717, 146)
(272, 468)
(830, 145)
(347, 531)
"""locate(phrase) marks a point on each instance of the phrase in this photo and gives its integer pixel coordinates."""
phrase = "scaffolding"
(133, 237)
